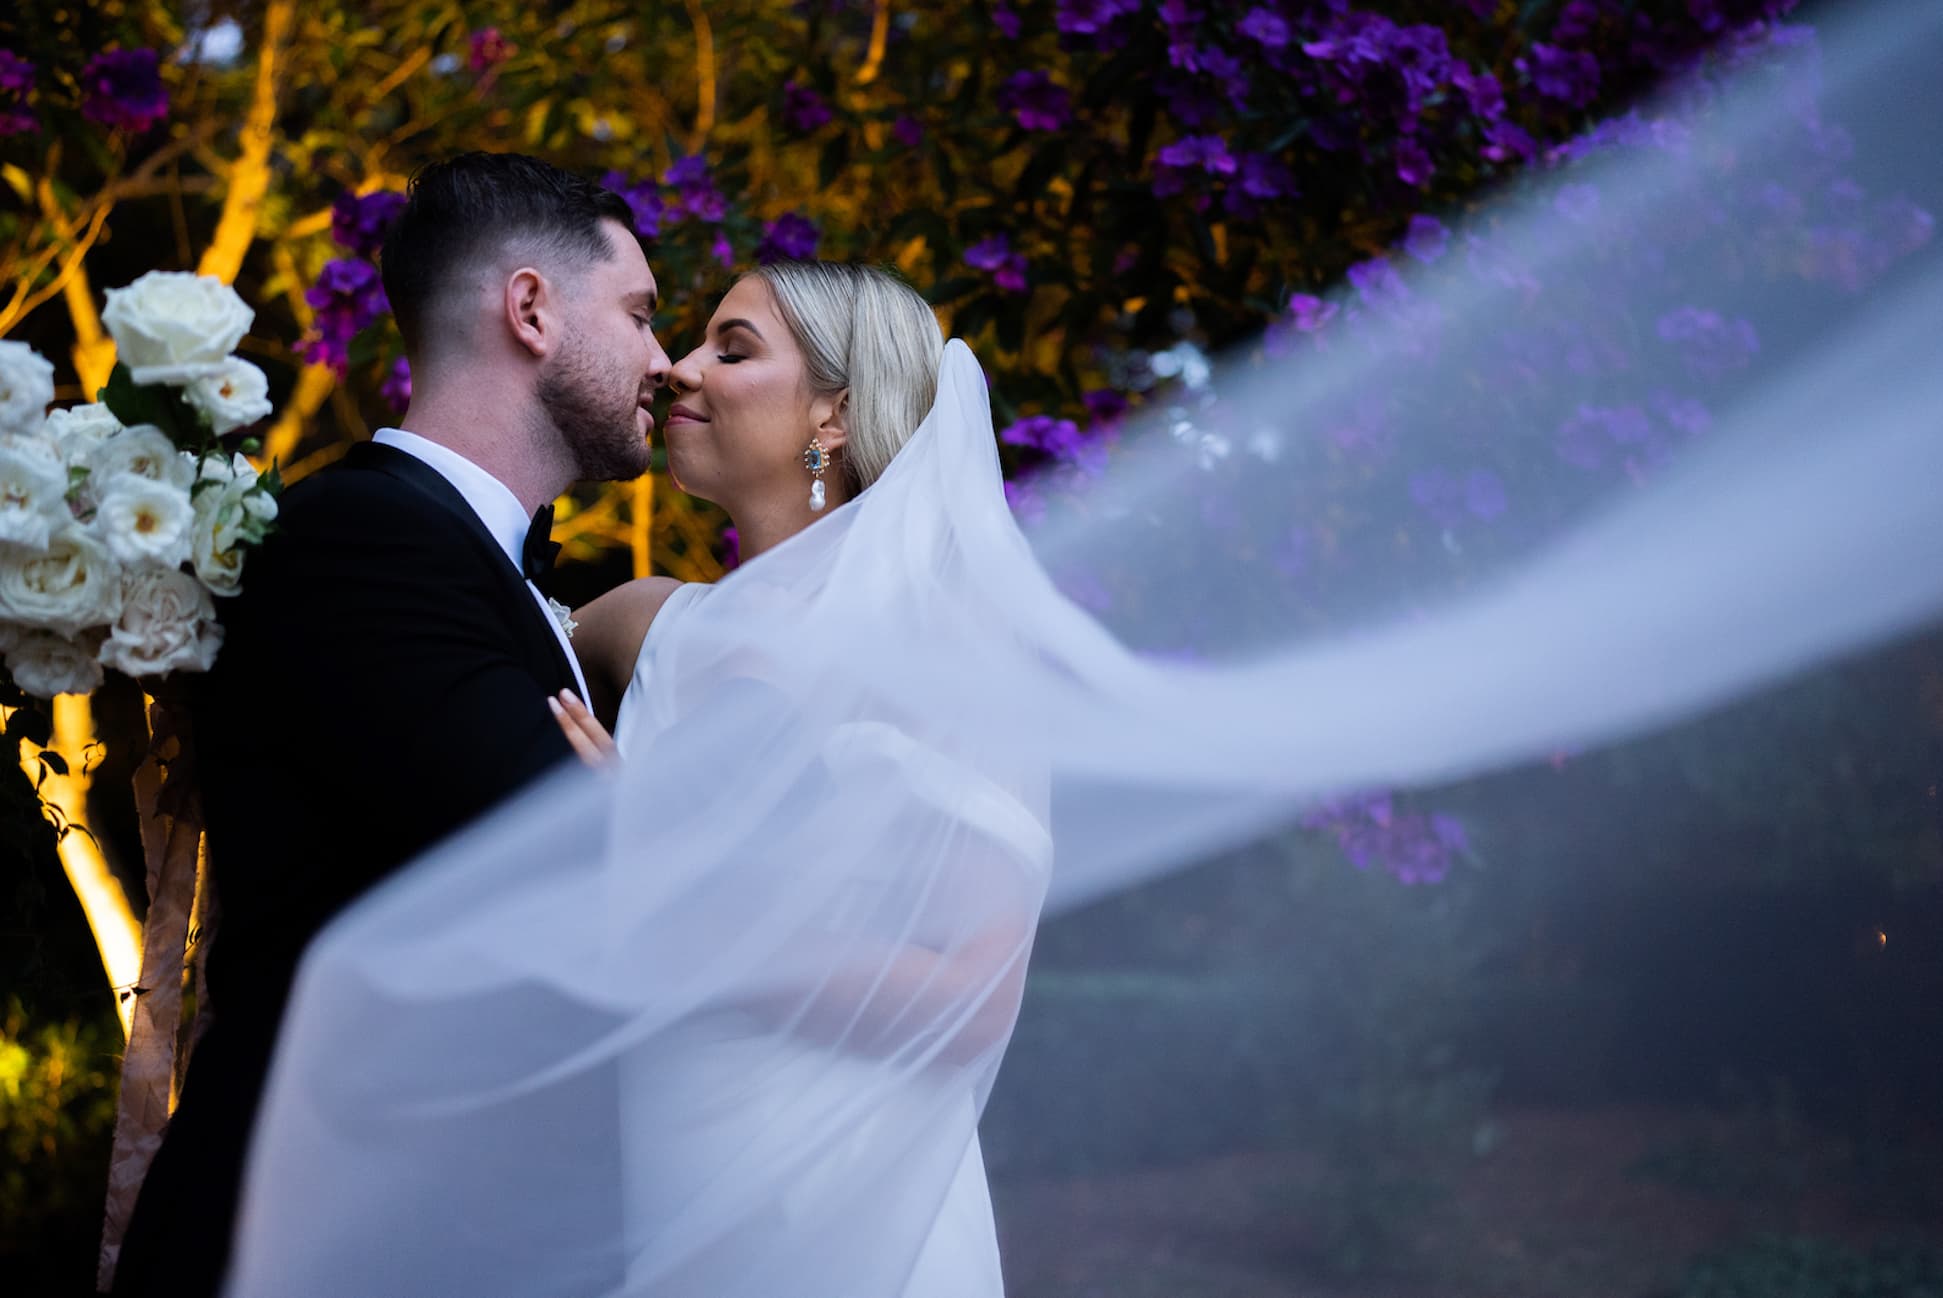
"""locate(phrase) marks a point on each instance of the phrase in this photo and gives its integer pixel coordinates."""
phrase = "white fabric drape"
(721, 1022)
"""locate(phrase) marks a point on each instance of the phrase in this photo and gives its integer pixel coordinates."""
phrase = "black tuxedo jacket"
(382, 681)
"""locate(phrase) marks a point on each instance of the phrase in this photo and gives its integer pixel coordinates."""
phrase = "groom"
(384, 675)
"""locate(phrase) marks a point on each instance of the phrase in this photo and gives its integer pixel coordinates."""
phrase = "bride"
(811, 378)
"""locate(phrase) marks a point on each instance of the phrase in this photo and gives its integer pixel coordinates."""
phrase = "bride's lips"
(682, 414)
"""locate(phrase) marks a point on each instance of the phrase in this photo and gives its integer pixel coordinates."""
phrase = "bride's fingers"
(588, 739)
(595, 733)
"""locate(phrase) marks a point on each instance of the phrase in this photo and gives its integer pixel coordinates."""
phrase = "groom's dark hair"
(474, 204)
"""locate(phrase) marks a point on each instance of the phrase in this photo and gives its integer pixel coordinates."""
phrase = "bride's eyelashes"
(729, 358)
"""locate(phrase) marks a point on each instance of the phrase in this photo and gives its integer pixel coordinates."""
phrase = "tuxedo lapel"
(540, 643)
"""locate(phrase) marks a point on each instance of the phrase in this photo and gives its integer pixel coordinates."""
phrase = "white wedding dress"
(763, 1091)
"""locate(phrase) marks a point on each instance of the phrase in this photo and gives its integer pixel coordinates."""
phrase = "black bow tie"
(537, 553)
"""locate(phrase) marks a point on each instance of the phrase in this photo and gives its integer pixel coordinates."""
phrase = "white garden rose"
(172, 326)
(33, 490)
(144, 451)
(168, 623)
(236, 396)
(75, 429)
(144, 521)
(216, 544)
(75, 584)
(44, 664)
(26, 387)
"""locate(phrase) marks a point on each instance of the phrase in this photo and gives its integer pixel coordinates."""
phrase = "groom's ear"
(832, 416)
(529, 307)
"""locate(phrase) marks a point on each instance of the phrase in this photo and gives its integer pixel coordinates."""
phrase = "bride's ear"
(832, 419)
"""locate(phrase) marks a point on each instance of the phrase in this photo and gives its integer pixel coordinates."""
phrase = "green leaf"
(133, 403)
(952, 289)
(836, 156)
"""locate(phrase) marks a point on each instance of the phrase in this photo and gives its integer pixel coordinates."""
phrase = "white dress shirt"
(497, 507)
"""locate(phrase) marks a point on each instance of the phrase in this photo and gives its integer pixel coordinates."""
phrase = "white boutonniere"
(563, 615)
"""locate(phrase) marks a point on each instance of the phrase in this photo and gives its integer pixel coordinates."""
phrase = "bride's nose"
(685, 376)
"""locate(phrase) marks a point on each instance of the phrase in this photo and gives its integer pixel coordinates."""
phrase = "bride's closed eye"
(730, 358)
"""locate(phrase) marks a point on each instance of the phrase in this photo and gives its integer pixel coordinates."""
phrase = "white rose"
(167, 623)
(144, 451)
(45, 664)
(172, 327)
(215, 545)
(77, 428)
(33, 491)
(75, 585)
(234, 397)
(144, 521)
(26, 387)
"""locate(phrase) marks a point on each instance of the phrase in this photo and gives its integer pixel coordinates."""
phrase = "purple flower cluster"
(1036, 101)
(1091, 18)
(486, 49)
(790, 237)
(1569, 76)
(348, 297)
(1451, 499)
(695, 191)
(1711, 344)
(995, 254)
(1200, 159)
(804, 110)
(1412, 846)
(643, 199)
(397, 387)
(123, 90)
(361, 223)
(1065, 442)
(16, 83)
(686, 189)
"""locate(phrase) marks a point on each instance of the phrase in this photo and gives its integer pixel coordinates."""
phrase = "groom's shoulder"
(351, 495)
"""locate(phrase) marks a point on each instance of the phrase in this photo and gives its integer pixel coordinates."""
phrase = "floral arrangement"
(120, 520)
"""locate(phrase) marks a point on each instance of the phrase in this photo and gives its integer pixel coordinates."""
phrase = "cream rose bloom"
(215, 542)
(144, 521)
(74, 585)
(45, 664)
(26, 387)
(77, 429)
(144, 451)
(167, 623)
(33, 490)
(172, 326)
(234, 397)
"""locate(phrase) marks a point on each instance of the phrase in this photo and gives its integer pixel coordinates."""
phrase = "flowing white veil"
(721, 1021)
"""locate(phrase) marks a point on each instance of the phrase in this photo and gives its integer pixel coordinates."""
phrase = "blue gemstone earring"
(816, 459)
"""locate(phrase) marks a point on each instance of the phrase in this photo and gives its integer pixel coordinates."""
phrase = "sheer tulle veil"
(721, 1021)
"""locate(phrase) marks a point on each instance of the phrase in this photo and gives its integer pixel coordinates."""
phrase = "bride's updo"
(861, 327)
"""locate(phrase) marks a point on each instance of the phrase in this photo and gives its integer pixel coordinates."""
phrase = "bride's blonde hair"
(861, 327)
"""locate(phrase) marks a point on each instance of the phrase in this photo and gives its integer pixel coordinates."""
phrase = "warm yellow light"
(117, 934)
(1882, 938)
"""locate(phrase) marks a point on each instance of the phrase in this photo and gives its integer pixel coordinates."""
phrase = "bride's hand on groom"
(587, 736)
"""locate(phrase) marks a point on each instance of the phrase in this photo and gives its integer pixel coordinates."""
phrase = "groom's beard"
(594, 407)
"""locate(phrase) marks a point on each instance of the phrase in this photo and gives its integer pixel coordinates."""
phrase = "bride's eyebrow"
(722, 329)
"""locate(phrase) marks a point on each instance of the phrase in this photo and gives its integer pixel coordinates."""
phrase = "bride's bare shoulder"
(609, 635)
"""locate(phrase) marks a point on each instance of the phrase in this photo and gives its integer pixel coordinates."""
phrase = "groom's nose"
(658, 363)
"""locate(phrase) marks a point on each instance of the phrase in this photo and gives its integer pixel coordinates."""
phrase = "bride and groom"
(392, 673)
